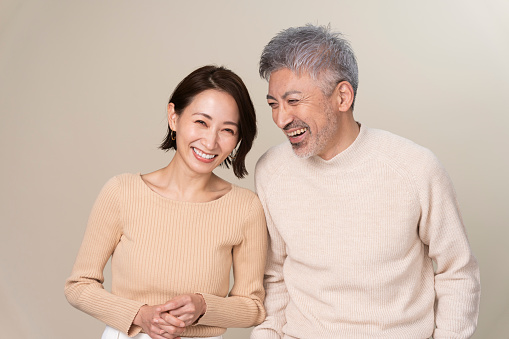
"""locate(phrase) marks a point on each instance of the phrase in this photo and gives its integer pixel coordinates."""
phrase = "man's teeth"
(294, 133)
(203, 155)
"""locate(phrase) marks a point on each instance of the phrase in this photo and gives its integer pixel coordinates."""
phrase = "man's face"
(306, 116)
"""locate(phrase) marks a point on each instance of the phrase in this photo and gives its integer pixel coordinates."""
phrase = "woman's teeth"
(297, 132)
(203, 155)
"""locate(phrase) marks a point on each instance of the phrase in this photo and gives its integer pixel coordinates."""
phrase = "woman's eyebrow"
(210, 118)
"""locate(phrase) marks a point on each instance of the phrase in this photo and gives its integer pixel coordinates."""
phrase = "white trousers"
(111, 333)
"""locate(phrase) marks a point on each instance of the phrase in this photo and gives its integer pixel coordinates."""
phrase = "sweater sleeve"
(244, 305)
(457, 282)
(277, 296)
(84, 288)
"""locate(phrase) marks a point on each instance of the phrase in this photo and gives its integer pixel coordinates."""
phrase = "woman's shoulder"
(233, 191)
(242, 191)
(120, 181)
(244, 195)
(127, 178)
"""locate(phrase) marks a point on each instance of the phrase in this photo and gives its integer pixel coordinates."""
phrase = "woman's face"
(207, 131)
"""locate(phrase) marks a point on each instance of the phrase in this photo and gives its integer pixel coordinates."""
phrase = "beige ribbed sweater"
(352, 241)
(162, 248)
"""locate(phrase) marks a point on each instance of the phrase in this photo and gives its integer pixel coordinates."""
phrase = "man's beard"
(315, 143)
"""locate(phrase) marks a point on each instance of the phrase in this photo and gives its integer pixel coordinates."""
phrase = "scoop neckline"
(159, 196)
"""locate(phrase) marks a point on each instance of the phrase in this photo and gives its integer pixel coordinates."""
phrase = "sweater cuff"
(212, 314)
(129, 327)
(134, 330)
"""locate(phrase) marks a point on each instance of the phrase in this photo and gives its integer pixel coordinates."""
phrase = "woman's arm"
(84, 288)
(244, 305)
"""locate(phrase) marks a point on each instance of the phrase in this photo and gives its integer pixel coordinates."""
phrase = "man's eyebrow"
(284, 95)
(210, 118)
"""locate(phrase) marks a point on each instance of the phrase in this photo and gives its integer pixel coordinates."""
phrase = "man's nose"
(281, 116)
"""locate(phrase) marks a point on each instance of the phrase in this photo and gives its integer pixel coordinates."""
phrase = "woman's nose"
(210, 140)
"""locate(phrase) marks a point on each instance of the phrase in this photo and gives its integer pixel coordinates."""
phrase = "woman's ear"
(172, 116)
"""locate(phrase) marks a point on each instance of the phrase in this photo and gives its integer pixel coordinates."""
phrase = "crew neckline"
(159, 196)
(350, 155)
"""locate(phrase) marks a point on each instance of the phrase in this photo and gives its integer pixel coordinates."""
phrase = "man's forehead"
(290, 72)
(285, 82)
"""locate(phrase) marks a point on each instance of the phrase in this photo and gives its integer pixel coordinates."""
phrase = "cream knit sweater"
(162, 248)
(352, 241)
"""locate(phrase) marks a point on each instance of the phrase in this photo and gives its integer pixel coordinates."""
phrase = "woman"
(174, 233)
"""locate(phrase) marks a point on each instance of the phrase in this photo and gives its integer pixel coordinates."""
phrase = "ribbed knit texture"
(163, 248)
(352, 241)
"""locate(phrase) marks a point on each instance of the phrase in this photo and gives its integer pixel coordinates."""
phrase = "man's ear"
(344, 95)
(172, 116)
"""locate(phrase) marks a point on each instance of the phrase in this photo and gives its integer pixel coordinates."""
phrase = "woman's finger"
(172, 331)
(180, 311)
(154, 335)
(170, 320)
(174, 303)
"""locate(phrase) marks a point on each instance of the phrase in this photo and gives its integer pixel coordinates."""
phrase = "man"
(356, 216)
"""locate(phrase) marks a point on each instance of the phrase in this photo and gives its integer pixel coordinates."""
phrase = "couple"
(356, 218)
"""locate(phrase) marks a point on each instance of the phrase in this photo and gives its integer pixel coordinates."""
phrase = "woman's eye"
(232, 132)
(201, 122)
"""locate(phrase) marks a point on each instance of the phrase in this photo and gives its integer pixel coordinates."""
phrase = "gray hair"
(326, 56)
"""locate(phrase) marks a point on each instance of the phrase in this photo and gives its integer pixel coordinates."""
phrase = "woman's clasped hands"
(169, 320)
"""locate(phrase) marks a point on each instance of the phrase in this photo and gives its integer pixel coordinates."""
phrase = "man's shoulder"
(273, 162)
(403, 152)
(396, 145)
(275, 157)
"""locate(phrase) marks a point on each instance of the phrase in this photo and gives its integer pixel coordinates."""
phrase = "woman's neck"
(177, 182)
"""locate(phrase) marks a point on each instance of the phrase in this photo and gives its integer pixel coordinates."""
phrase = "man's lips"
(296, 132)
(296, 135)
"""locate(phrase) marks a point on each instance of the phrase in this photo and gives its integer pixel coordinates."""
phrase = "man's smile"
(296, 132)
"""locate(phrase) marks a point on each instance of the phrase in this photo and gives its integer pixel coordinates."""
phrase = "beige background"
(83, 88)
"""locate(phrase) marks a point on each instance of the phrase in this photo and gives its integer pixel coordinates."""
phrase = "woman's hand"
(149, 319)
(186, 307)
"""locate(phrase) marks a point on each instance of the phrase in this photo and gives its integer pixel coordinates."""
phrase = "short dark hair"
(221, 79)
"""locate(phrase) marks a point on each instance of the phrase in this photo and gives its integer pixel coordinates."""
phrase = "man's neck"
(348, 130)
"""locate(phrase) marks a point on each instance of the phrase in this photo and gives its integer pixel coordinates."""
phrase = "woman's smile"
(202, 156)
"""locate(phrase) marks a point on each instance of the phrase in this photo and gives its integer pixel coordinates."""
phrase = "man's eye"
(293, 101)
(273, 104)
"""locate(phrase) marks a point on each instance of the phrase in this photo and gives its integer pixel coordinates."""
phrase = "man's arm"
(276, 294)
(457, 282)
